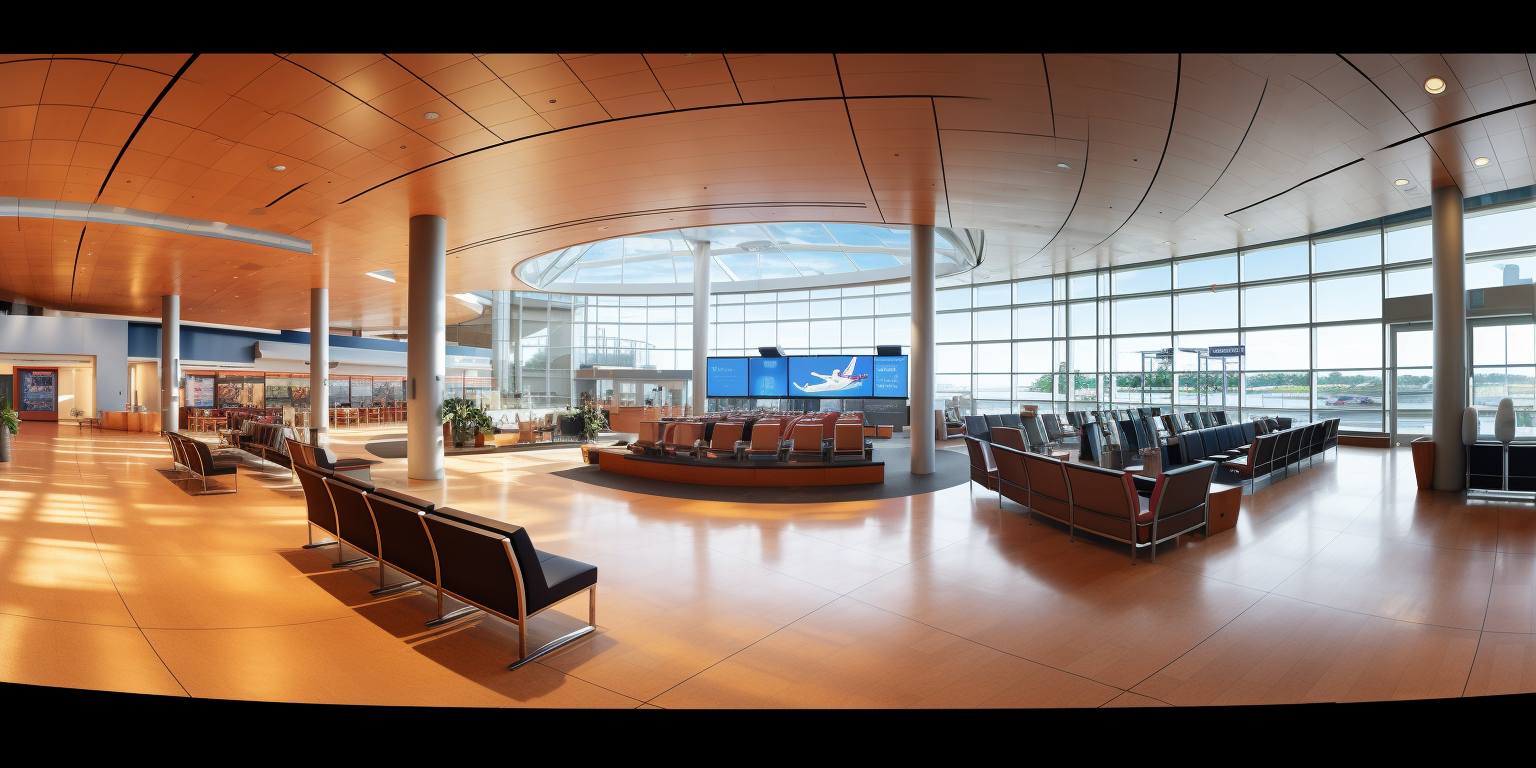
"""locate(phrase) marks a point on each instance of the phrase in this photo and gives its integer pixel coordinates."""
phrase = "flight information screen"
(890, 376)
(835, 376)
(726, 377)
(770, 376)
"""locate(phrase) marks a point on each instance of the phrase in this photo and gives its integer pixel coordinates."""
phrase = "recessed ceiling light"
(1402, 182)
(402, 146)
(1435, 85)
(387, 275)
(1064, 165)
(551, 101)
(1480, 162)
(431, 115)
(1250, 229)
(1167, 242)
(278, 167)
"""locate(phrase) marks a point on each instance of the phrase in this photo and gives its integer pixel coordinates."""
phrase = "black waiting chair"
(1104, 502)
(1012, 420)
(405, 544)
(1037, 439)
(320, 510)
(354, 522)
(976, 426)
(1332, 441)
(325, 458)
(493, 566)
(202, 466)
(1192, 419)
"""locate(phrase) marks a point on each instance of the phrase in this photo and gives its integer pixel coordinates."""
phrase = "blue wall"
(230, 346)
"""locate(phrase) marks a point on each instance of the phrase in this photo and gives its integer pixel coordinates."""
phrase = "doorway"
(1411, 412)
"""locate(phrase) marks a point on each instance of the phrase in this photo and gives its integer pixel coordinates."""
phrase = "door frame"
(1391, 384)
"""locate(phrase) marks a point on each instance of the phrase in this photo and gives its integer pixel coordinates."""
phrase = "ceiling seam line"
(509, 88)
(81, 58)
(75, 270)
(663, 88)
(444, 96)
(1384, 95)
(1050, 99)
(1082, 181)
(732, 75)
(938, 136)
(142, 120)
(360, 101)
(1178, 81)
(649, 114)
(854, 134)
(1240, 142)
(285, 194)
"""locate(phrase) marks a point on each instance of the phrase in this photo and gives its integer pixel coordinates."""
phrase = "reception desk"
(627, 418)
(129, 421)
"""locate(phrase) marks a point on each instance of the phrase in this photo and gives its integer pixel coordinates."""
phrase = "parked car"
(1351, 400)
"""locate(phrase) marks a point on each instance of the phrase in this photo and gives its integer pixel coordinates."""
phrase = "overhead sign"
(1237, 350)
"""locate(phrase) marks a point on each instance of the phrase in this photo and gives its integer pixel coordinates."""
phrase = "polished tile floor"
(1340, 584)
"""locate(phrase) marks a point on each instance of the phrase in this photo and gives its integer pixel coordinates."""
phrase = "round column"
(922, 389)
(170, 362)
(426, 317)
(1449, 336)
(319, 364)
(701, 269)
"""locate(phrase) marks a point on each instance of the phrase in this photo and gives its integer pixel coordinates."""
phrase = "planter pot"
(571, 426)
(447, 434)
(5, 444)
(1423, 461)
(479, 440)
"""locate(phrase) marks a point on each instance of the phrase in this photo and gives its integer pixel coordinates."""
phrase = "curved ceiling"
(1066, 161)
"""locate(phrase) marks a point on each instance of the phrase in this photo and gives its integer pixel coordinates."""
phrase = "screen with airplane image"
(833, 376)
(726, 377)
(770, 376)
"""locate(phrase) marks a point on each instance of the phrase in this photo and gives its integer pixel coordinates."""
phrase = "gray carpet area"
(951, 469)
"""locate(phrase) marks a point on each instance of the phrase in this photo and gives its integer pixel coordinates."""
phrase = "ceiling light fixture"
(1435, 85)
(1250, 229)
(1480, 162)
(387, 275)
(1402, 182)
(1167, 242)
(1064, 166)
(278, 167)
(431, 115)
(551, 101)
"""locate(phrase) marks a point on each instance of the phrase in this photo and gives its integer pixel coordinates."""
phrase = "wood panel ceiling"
(1164, 154)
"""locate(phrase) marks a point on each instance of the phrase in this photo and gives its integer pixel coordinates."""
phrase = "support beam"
(922, 380)
(1449, 335)
(426, 319)
(701, 269)
(319, 364)
(170, 361)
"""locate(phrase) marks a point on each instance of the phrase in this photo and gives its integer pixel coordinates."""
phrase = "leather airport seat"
(1180, 504)
(1250, 431)
(319, 508)
(1256, 463)
(1104, 502)
(1036, 438)
(1192, 419)
(354, 521)
(848, 441)
(723, 439)
(204, 467)
(983, 468)
(994, 420)
(1012, 477)
(1049, 492)
(1191, 447)
(1009, 437)
(806, 439)
(494, 566)
(1332, 441)
(976, 426)
(1013, 420)
(765, 439)
(1053, 430)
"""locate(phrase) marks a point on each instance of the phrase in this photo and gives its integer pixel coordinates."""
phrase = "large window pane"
(1354, 397)
(1410, 244)
(893, 330)
(1488, 345)
(1203, 273)
(953, 298)
(1032, 322)
(1189, 361)
(1084, 286)
(955, 326)
(859, 333)
(995, 295)
(1207, 309)
(859, 306)
(1348, 298)
(1276, 392)
(1347, 253)
(1085, 355)
(1142, 280)
(993, 358)
(1348, 346)
(1083, 318)
(1032, 356)
(952, 358)
(1408, 282)
(1499, 272)
(795, 335)
(1142, 315)
(1127, 355)
(826, 333)
(825, 308)
(1270, 263)
(761, 335)
(1282, 304)
(1032, 386)
(894, 304)
(994, 387)
(1499, 230)
(1032, 291)
(794, 310)
(992, 324)
(1283, 349)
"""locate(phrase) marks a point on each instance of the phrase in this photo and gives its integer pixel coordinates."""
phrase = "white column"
(922, 380)
(501, 347)
(426, 319)
(701, 269)
(170, 361)
(319, 364)
(1449, 336)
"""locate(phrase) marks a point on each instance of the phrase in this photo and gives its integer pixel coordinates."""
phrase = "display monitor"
(769, 376)
(830, 376)
(890, 376)
(726, 377)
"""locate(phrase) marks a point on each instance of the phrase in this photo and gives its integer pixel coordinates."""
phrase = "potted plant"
(570, 422)
(592, 421)
(464, 418)
(10, 424)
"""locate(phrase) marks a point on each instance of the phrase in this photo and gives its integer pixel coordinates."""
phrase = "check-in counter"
(129, 421)
(627, 418)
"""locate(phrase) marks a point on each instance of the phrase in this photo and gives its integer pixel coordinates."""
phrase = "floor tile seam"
(128, 609)
(745, 648)
(973, 641)
(1376, 615)
(560, 652)
(1194, 646)
(1483, 629)
(70, 621)
(1143, 695)
(259, 626)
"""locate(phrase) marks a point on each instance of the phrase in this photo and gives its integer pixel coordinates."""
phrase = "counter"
(129, 421)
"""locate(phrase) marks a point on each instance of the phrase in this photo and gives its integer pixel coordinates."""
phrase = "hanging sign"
(1237, 350)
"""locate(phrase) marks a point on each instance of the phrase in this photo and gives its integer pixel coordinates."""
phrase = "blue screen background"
(727, 377)
(801, 368)
(890, 378)
(770, 376)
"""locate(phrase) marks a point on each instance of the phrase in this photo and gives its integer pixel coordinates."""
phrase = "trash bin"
(1151, 462)
(1111, 457)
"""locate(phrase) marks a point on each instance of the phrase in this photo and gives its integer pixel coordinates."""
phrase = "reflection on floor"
(1340, 584)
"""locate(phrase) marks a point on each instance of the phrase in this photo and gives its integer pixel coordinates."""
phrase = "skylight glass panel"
(772, 265)
(800, 234)
(742, 266)
(873, 260)
(854, 234)
(820, 262)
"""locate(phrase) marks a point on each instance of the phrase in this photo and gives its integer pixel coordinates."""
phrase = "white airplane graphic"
(838, 380)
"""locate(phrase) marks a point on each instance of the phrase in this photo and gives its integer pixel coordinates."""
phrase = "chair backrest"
(1013, 479)
(1180, 493)
(317, 499)
(1052, 426)
(981, 457)
(1225, 440)
(1108, 495)
(993, 420)
(807, 437)
(976, 426)
(354, 520)
(1220, 417)
(1261, 454)
(1250, 431)
(200, 455)
(725, 435)
(1036, 435)
(765, 436)
(848, 438)
(1192, 419)
(403, 538)
(1009, 437)
(686, 432)
(1013, 420)
(1191, 447)
(1049, 490)
(531, 571)
(477, 565)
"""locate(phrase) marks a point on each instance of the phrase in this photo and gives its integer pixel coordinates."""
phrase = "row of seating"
(489, 565)
(1275, 452)
(765, 437)
(193, 460)
(1218, 443)
(1115, 504)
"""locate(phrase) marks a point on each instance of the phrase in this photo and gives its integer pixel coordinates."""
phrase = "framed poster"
(37, 393)
(200, 391)
(241, 391)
